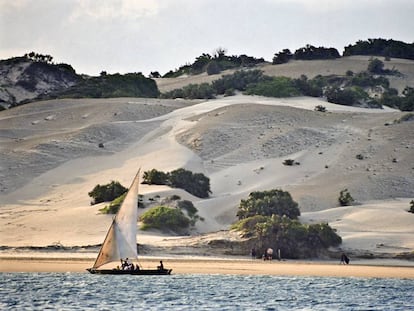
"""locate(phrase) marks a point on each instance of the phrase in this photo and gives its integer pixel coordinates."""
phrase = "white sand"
(50, 161)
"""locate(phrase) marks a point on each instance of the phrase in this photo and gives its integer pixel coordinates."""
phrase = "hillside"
(51, 158)
(294, 69)
(52, 153)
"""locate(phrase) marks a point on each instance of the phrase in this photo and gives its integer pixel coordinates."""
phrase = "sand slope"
(50, 160)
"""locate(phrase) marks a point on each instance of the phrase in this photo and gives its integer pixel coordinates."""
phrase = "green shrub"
(313, 87)
(376, 66)
(114, 206)
(106, 192)
(188, 206)
(345, 198)
(411, 210)
(165, 219)
(213, 68)
(116, 85)
(174, 197)
(274, 87)
(239, 80)
(320, 108)
(268, 203)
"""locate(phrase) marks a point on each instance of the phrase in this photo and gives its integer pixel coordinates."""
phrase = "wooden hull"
(131, 272)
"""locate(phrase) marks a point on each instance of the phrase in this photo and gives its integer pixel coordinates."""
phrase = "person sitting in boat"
(125, 264)
(161, 266)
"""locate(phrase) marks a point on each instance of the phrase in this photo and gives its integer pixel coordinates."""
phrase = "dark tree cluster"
(36, 57)
(214, 64)
(115, 85)
(381, 47)
(268, 203)
(269, 219)
(195, 183)
(106, 193)
(309, 52)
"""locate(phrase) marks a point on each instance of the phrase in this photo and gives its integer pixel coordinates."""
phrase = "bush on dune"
(165, 219)
(269, 219)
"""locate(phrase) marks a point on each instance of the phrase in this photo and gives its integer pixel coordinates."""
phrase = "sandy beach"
(382, 269)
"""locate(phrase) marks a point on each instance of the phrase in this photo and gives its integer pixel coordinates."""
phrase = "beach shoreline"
(215, 265)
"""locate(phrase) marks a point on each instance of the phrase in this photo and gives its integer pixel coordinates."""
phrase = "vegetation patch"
(195, 183)
(106, 193)
(345, 198)
(114, 206)
(165, 219)
(411, 210)
(263, 220)
(268, 203)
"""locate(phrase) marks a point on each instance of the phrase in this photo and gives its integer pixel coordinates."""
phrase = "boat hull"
(131, 272)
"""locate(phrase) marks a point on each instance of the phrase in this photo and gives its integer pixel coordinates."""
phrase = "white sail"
(121, 239)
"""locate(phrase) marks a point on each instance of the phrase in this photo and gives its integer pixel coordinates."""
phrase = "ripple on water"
(76, 291)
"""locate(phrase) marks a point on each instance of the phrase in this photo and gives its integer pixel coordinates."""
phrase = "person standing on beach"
(344, 259)
(253, 253)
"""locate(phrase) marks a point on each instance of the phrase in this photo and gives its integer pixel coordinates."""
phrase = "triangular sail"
(121, 239)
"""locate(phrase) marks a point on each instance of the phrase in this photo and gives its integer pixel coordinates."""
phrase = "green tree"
(213, 68)
(293, 239)
(282, 57)
(197, 184)
(411, 210)
(268, 203)
(154, 177)
(376, 66)
(106, 192)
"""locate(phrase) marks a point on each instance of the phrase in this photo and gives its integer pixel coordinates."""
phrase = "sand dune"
(50, 160)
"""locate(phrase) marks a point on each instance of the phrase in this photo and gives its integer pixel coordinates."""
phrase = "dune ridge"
(50, 159)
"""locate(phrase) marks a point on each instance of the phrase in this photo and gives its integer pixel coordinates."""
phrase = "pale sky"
(159, 35)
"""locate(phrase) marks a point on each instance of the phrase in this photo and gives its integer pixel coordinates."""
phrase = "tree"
(293, 239)
(154, 177)
(213, 68)
(219, 53)
(197, 184)
(154, 75)
(376, 66)
(268, 203)
(282, 57)
(106, 192)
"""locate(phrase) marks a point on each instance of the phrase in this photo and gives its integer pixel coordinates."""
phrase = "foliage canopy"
(165, 219)
(268, 203)
(293, 239)
(106, 193)
(195, 183)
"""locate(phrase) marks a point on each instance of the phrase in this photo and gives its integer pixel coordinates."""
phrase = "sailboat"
(121, 240)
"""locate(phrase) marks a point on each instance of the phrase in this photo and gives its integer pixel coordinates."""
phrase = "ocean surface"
(82, 291)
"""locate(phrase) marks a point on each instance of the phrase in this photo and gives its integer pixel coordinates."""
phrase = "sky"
(121, 36)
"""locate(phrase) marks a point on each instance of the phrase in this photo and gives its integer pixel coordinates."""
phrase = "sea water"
(82, 291)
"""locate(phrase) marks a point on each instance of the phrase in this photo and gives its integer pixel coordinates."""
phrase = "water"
(81, 291)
